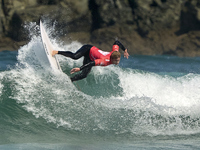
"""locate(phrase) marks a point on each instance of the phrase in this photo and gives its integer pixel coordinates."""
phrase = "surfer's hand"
(54, 52)
(75, 70)
(126, 53)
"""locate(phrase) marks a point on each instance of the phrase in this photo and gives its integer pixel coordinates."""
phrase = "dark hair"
(115, 55)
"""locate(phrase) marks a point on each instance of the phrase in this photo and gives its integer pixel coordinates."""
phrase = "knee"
(75, 57)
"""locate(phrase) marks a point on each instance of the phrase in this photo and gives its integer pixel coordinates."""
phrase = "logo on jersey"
(103, 53)
(107, 59)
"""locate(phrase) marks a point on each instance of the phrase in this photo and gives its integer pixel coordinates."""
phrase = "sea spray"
(112, 100)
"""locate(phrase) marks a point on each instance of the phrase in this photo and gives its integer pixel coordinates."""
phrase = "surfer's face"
(115, 61)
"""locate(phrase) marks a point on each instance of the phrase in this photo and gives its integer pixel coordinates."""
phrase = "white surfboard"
(48, 47)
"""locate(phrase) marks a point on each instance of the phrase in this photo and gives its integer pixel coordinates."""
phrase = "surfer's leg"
(83, 51)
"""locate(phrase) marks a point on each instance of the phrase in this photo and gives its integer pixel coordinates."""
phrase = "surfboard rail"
(48, 47)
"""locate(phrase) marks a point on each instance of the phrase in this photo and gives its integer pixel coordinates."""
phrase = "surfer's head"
(115, 57)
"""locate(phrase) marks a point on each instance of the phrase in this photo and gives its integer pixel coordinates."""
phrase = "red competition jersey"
(100, 57)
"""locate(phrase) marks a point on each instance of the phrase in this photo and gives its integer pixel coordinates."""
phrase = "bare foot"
(54, 52)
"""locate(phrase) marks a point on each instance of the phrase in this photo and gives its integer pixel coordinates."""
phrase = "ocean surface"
(144, 103)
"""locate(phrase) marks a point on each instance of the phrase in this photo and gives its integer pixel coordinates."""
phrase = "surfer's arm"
(97, 62)
(126, 54)
(88, 65)
(118, 45)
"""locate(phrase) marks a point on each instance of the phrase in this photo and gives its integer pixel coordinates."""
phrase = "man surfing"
(93, 57)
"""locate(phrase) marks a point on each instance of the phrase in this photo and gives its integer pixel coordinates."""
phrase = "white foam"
(178, 93)
(52, 95)
(1, 85)
(42, 91)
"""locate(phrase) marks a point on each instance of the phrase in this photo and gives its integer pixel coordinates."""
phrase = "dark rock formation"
(144, 26)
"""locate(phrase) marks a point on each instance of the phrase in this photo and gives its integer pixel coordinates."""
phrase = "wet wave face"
(113, 100)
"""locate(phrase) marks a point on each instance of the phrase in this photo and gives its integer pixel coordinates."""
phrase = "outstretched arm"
(122, 47)
(88, 65)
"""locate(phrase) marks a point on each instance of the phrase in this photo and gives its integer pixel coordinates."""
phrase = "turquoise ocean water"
(147, 102)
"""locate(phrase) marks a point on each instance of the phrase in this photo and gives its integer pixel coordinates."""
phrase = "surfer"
(93, 57)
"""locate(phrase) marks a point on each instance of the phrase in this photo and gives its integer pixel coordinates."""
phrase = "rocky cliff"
(149, 27)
